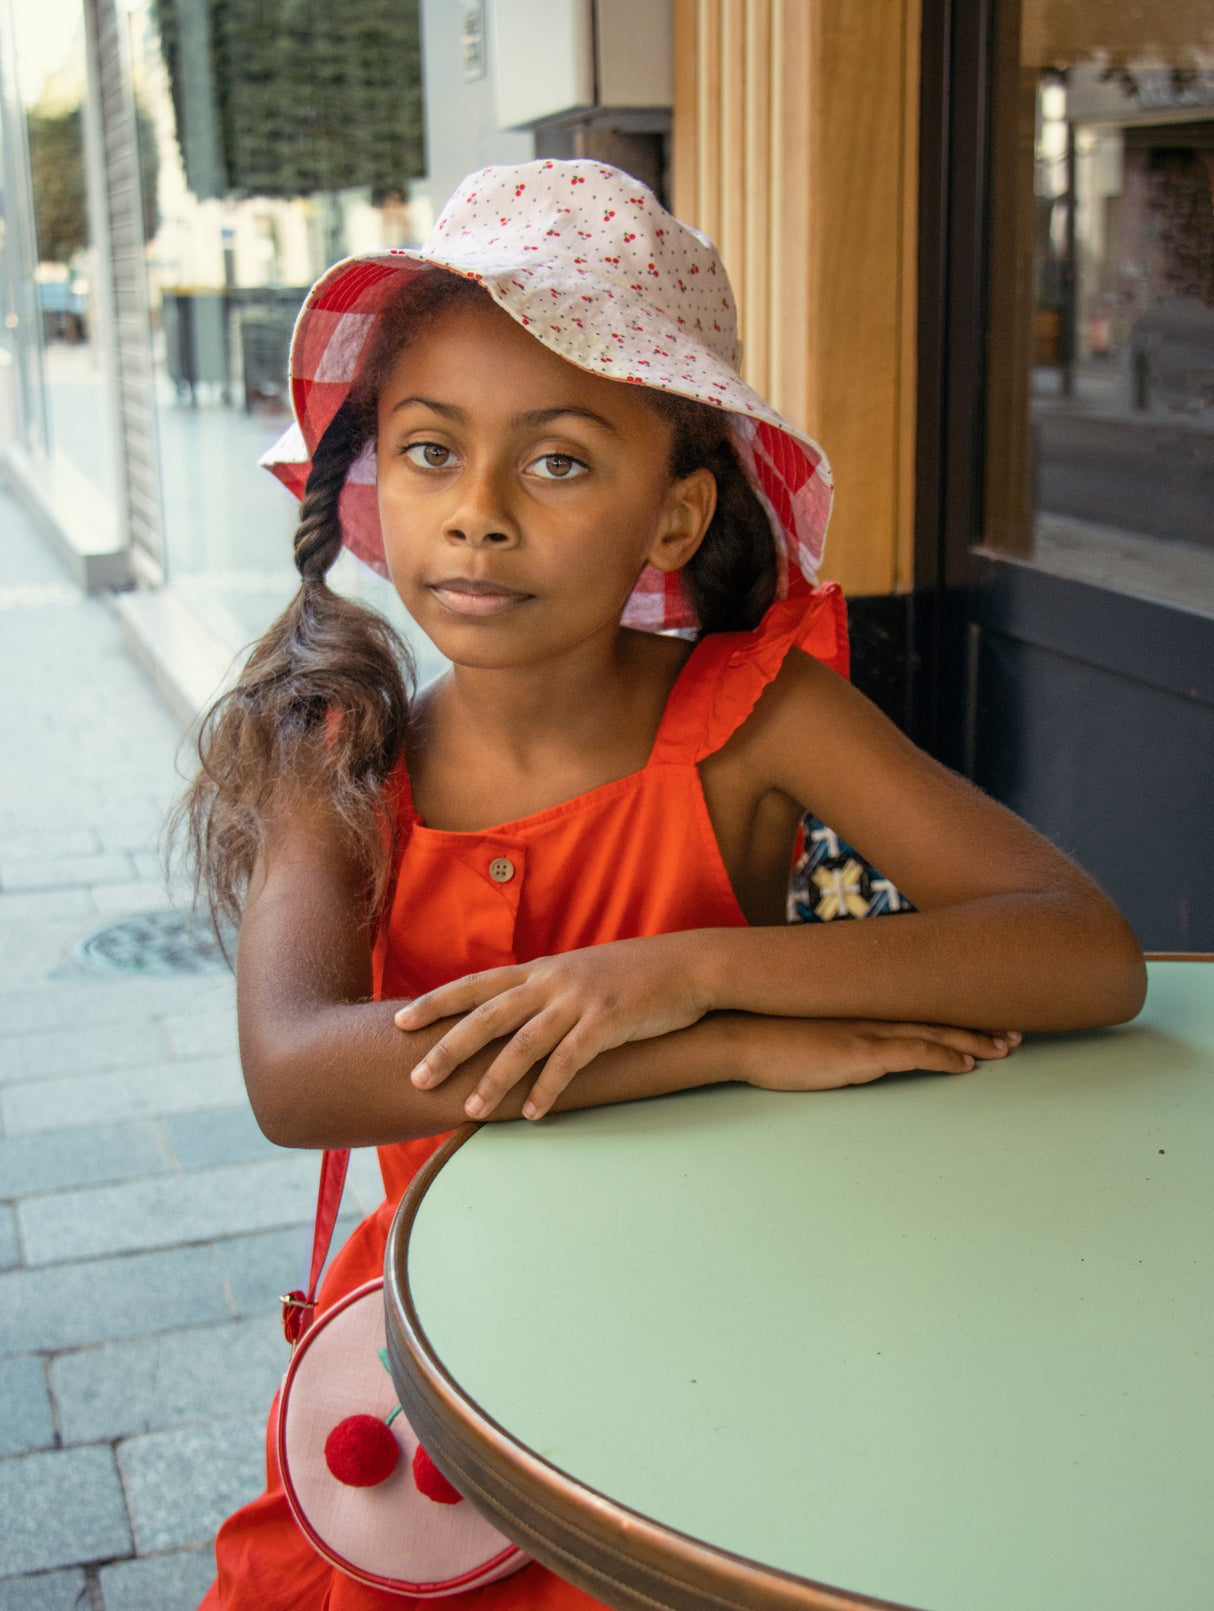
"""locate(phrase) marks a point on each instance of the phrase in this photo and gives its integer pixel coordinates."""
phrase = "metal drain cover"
(156, 942)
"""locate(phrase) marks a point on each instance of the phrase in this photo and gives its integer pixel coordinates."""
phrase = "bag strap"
(297, 1307)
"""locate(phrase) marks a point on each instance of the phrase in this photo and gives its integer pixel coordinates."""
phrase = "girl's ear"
(686, 516)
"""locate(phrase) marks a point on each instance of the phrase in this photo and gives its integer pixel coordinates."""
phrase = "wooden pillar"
(795, 148)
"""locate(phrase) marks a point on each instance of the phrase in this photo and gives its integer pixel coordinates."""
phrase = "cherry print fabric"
(585, 258)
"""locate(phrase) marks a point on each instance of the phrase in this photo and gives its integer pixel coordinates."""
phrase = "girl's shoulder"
(735, 683)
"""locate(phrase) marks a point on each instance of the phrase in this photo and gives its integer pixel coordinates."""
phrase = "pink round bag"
(351, 1465)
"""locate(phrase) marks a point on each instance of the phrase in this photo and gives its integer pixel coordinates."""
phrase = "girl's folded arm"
(1009, 933)
(324, 1064)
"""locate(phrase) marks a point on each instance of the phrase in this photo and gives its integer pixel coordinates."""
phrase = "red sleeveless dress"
(634, 857)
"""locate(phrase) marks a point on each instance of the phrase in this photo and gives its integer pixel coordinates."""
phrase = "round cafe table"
(941, 1343)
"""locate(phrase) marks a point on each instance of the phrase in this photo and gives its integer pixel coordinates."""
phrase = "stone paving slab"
(114, 901)
(10, 1248)
(258, 1269)
(173, 1582)
(30, 952)
(175, 1379)
(181, 1485)
(69, 1305)
(79, 841)
(159, 1088)
(61, 1508)
(223, 1136)
(77, 904)
(54, 1159)
(26, 1421)
(48, 1591)
(201, 1034)
(61, 871)
(62, 1049)
(143, 1214)
(93, 995)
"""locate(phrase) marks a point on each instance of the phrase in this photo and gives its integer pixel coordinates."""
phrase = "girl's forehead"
(483, 353)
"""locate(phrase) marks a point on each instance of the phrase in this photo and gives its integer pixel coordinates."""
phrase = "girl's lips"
(462, 596)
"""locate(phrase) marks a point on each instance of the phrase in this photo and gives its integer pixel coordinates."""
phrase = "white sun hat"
(585, 258)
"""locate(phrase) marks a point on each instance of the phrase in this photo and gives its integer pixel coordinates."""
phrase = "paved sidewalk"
(146, 1226)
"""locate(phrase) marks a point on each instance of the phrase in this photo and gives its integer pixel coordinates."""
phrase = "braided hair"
(323, 698)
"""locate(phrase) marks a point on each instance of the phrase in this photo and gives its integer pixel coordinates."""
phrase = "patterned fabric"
(585, 258)
(831, 881)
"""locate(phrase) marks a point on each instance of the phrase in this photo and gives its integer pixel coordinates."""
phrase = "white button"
(501, 871)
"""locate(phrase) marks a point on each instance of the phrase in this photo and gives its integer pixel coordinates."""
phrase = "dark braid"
(318, 535)
(732, 577)
(322, 703)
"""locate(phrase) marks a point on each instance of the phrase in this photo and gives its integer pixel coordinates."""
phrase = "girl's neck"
(494, 746)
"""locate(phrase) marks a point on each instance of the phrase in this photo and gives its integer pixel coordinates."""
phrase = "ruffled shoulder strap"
(727, 672)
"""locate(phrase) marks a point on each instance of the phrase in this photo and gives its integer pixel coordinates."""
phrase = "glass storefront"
(1101, 378)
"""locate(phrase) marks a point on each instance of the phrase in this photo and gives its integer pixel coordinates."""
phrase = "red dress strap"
(727, 671)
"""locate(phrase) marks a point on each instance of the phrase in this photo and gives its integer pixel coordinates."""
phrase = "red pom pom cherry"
(361, 1451)
(431, 1482)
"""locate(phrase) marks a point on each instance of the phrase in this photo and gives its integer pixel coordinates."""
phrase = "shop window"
(69, 408)
(1101, 341)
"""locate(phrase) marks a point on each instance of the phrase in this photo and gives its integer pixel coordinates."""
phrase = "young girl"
(557, 876)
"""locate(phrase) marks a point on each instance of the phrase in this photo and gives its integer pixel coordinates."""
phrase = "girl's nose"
(482, 518)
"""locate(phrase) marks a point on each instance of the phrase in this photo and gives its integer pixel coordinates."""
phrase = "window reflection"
(1101, 406)
(52, 89)
(281, 141)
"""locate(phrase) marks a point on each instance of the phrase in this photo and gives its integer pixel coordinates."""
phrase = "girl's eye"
(429, 455)
(559, 467)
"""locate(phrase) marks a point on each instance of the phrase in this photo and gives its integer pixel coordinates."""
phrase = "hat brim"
(787, 469)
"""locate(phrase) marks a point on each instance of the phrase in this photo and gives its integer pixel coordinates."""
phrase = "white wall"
(462, 133)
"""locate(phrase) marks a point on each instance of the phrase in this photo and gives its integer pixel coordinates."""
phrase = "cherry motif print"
(431, 1482)
(361, 1451)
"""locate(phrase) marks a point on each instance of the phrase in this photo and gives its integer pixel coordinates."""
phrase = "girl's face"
(521, 497)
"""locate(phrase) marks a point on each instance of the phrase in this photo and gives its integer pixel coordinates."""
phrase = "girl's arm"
(326, 1067)
(1008, 931)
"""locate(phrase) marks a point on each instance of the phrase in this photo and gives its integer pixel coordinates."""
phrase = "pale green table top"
(944, 1341)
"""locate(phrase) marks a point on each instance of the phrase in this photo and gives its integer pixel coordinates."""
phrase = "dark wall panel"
(1117, 771)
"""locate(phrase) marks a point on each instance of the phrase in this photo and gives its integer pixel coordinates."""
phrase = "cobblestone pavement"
(146, 1226)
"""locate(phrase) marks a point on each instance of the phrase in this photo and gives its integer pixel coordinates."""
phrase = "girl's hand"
(565, 1009)
(819, 1054)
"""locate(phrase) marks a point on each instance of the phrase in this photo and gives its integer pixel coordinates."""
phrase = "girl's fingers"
(501, 1015)
(531, 1044)
(454, 999)
(566, 1061)
(976, 1042)
(908, 1054)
